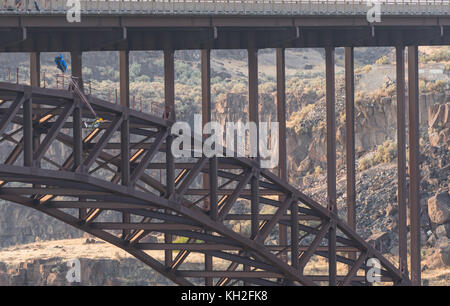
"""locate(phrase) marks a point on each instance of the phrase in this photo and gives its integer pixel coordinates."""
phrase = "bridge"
(112, 168)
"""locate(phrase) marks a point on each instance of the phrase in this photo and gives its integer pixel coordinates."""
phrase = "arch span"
(119, 183)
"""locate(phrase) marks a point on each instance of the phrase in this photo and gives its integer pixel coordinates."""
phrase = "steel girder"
(79, 177)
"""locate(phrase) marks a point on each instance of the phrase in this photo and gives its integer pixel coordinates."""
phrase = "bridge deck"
(233, 7)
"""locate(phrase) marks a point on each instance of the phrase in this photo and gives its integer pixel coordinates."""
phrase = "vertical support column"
(206, 103)
(254, 117)
(294, 235)
(169, 105)
(281, 112)
(213, 204)
(208, 180)
(350, 138)
(401, 159)
(78, 147)
(281, 117)
(124, 70)
(77, 67)
(77, 138)
(331, 159)
(125, 165)
(169, 84)
(35, 69)
(125, 152)
(76, 58)
(350, 135)
(35, 81)
(213, 183)
(27, 132)
(414, 152)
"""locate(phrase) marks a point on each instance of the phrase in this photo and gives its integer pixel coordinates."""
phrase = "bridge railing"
(227, 7)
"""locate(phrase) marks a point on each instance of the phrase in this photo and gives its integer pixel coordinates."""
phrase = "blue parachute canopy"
(61, 63)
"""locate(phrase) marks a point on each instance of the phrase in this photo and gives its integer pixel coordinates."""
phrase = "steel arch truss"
(120, 183)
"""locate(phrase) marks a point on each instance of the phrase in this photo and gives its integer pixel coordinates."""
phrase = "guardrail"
(229, 7)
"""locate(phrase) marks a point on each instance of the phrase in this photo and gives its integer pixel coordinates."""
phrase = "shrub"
(297, 119)
(318, 170)
(364, 69)
(383, 60)
(385, 153)
(440, 55)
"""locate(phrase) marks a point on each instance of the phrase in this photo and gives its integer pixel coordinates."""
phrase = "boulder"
(445, 254)
(391, 210)
(441, 257)
(431, 240)
(439, 208)
(304, 166)
(443, 231)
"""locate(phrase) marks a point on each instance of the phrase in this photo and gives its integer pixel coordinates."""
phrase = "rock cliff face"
(20, 225)
(88, 262)
(374, 124)
(93, 272)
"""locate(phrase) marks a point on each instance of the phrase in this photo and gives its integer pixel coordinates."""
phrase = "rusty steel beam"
(331, 158)
(414, 162)
(77, 67)
(197, 247)
(100, 145)
(35, 80)
(124, 71)
(253, 115)
(35, 69)
(169, 109)
(27, 133)
(10, 114)
(208, 178)
(401, 160)
(52, 133)
(206, 104)
(295, 249)
(350, 136)
(281, 112)
(139, 170)
(350, 139)
(77, 136)
(125, 166)
(305, 256)
(268, 226)
(281, 118)
(169, 84)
